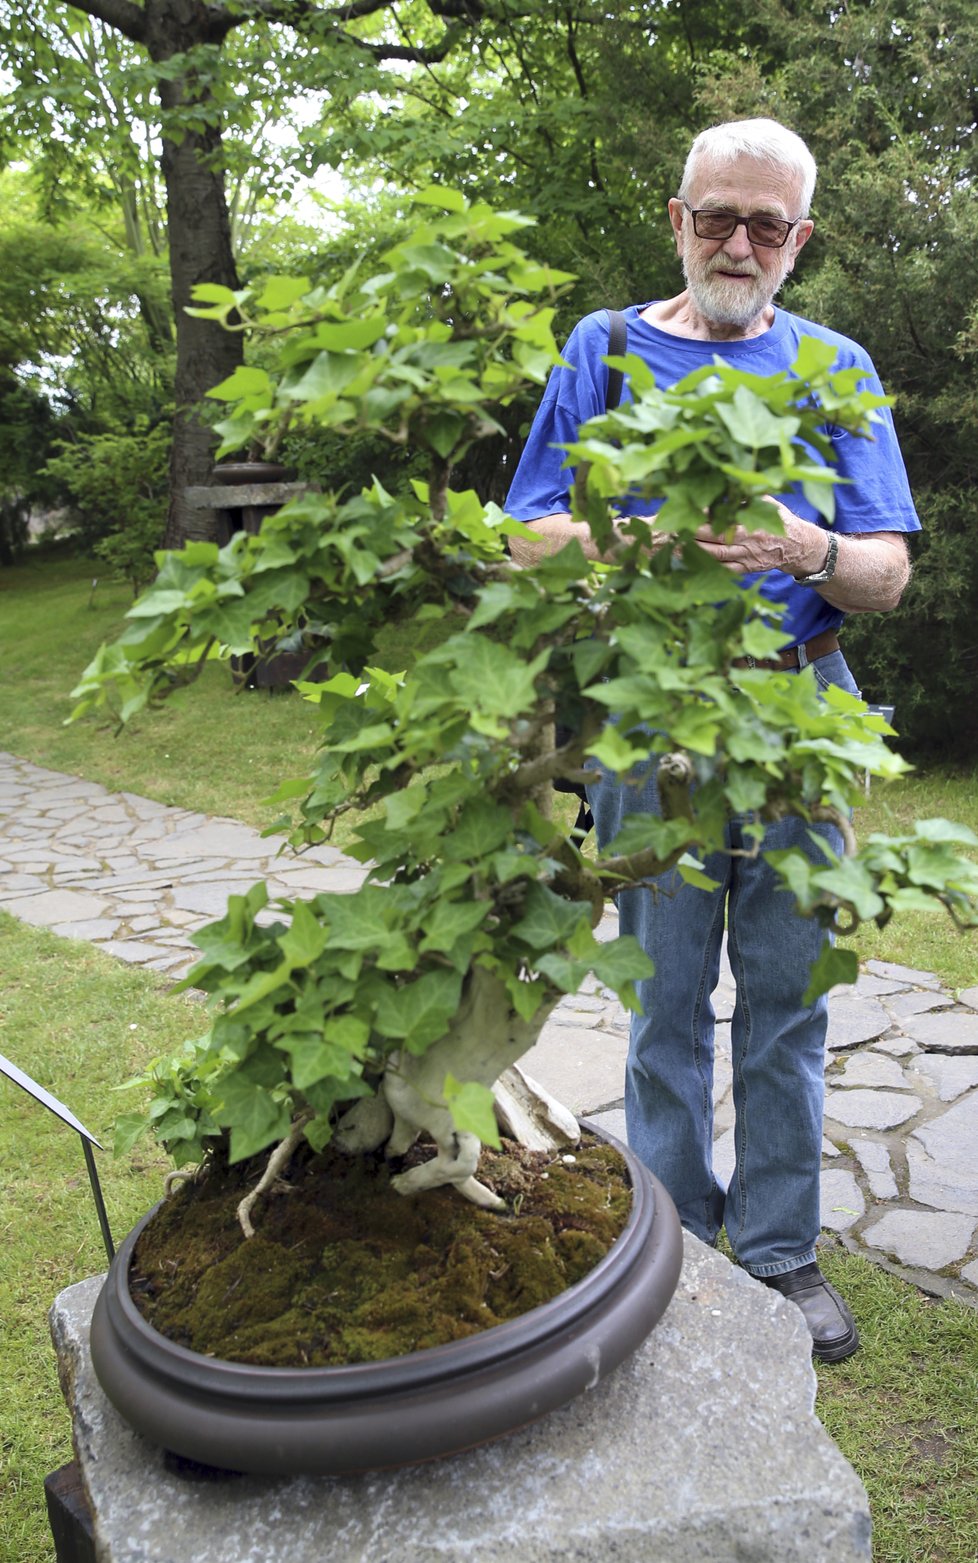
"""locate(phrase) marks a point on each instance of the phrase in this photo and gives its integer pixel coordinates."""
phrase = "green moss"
(342, 1269)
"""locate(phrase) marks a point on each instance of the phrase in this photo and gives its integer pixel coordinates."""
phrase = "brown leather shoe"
(830, 1323)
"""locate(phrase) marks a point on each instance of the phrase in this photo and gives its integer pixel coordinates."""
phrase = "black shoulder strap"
(617, 344)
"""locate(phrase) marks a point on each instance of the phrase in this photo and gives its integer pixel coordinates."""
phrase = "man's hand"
(800, 551)
(872, 569)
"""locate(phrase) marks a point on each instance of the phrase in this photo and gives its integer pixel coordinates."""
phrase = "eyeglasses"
(768, 232)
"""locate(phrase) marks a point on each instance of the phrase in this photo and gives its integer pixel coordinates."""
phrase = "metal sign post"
(88, 1140)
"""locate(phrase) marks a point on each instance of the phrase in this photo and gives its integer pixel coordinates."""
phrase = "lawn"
(79, 1023)
(904, 1410)
(210, 748)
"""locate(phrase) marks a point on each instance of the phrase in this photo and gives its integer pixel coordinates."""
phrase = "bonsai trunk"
(486, 1037)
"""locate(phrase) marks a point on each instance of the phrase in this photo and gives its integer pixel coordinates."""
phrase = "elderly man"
(740, 220)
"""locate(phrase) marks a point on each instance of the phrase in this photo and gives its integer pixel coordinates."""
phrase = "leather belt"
(818, 646)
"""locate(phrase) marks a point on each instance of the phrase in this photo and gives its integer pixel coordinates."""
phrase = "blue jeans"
(771, 1208)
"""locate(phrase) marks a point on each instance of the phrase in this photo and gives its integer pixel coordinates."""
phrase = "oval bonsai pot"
(376, 1415)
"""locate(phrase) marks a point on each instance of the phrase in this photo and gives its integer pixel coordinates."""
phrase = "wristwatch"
(828, 569)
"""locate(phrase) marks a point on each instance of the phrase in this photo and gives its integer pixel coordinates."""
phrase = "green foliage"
(77, 313)
(449, 765)
(118, 486)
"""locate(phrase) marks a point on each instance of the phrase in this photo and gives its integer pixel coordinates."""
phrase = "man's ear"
(802, 234)
(677, 212)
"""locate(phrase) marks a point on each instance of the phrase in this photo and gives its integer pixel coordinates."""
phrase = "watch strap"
(828, 569)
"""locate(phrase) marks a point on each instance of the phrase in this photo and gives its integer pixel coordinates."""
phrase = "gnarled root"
(277, 1162)
(366, 1125)
(455, 1163)
(486, 1037)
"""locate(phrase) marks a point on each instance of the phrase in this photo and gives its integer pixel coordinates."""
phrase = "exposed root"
(486, 1036)
(675, 776)
(365, 1126)
(455, 1163)
(277, 1162)
(178, 1175)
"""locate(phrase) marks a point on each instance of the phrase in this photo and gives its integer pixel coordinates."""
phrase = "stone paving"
(900, 1170)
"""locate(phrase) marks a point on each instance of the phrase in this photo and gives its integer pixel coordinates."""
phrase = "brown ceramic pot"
(375, 1415)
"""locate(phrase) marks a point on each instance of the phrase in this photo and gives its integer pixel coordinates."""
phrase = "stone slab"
(913, 1002)
(950, 1032)
(217, 839)
(689, 1451)
(842, 1201)
(872, 1069)
(611, 1122)
(874, 1159)
(869, 984)
(941, 1158)
(898, 1046)
(926, 1239)
(853, 1021)
(93, 928)
(949, 1076)
(209, 900)
(908, 974)
(582, 1066)
(53, 907)
(865, 1109)
(725, 1157)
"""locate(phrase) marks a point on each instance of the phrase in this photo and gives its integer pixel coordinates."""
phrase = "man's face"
(732, 281)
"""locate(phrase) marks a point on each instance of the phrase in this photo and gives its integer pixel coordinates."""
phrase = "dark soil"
(342, 1269)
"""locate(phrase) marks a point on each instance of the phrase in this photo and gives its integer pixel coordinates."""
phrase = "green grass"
(78, 1022)
(927, 941)
(904, 1410)
(209, 748)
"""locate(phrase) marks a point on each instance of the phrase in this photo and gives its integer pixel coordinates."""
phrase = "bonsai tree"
(371, 1017)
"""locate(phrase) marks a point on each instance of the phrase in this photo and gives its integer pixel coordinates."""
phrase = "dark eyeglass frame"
(735, 223)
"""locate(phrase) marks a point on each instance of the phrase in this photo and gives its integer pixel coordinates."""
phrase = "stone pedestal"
(703, 1446)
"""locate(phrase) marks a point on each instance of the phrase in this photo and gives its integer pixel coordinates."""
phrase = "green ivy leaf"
(306, 938)
(419, 1011)
(548, 919)
(833, 965)
(472, 1109)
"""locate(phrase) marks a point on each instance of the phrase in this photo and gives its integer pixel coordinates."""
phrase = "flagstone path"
(900, 1169)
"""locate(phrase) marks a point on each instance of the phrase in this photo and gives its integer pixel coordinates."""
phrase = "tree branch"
(123, 15)
(292, 12)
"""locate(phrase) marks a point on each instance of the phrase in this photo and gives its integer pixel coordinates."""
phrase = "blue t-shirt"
(877, 499)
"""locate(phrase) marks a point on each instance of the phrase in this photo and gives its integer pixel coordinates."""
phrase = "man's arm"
(554, 532)
(872, 568)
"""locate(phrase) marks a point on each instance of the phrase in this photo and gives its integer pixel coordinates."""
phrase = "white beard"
(727, 303)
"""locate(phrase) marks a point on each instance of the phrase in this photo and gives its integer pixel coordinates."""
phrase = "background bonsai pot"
(335, 1421)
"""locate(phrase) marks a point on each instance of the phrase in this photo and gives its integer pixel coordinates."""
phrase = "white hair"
(765, 141)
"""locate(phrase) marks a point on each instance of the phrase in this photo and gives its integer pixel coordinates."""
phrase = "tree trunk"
(200, 251)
